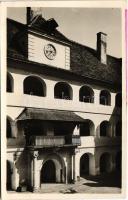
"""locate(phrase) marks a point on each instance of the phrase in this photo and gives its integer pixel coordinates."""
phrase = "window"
(86, 94)
(105, 128)
(87, 128)
(34, 86)
(105, 97)
(10, 83)
(63, 91)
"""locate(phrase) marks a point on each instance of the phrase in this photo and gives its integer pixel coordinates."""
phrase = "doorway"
(48, 172)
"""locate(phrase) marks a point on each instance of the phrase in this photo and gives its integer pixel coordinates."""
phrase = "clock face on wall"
(50, 51)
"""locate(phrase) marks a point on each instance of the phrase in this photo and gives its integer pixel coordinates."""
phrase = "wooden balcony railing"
(54, 141)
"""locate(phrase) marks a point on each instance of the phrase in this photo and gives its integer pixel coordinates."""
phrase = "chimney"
(102, 47)
(32, 13)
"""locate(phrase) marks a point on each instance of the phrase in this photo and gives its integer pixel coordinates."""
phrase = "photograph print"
(64, 100)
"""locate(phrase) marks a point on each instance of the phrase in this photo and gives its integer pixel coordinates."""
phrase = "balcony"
(54, 141)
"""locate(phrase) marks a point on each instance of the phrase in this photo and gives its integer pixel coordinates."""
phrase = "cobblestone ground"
(109, 183)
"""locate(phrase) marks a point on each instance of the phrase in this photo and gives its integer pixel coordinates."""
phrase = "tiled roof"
(49, 115)
(84, 60)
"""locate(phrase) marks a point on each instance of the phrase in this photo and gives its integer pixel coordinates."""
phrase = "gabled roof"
(83, 60)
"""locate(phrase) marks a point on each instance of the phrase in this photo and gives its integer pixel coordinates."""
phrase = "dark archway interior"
(118, 161)
(8, 130)
(62, 91)
(105, 98)
(34, 86)
(48, 172)
(105, 163)
(118, 100)
(9, 85)
(86, 95)
(85, 128)
(84, 165)
(118, 129)
(9, 174)
(104, 128)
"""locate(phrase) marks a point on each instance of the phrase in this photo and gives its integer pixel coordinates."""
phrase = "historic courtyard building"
(63, 106)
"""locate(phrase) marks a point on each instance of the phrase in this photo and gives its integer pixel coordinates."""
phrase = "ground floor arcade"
(31, 168)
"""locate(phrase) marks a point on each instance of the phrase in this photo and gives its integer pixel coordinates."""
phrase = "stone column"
(113, 99)
(34, 172)
(92, 165)
(76, 165)
(50, 89)
(73, 167)
(97, 97)
(97, 164)
(113, 163)
(18, 84)
(76, 89)
(66, 178)
(15, 175)
(15, 178)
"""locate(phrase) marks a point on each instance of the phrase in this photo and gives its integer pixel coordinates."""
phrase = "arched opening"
(10, 83)
(86, 94)
(63, 91)
(48, 172)
(9, 176)
(118, 129)
(105, 97)
(8, 128)
(86, 164)
(105, 163)
(53, 169)
(34, 86)
(87, 128)
(118, 100)
(105, 128)
(118, 161)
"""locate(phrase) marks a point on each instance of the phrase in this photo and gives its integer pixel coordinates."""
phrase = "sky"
(82, 24)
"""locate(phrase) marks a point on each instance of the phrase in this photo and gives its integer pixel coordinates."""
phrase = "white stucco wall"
(36, 52)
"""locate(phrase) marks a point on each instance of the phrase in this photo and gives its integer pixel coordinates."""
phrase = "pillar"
(15, 178)
(35, 173)
(113, 163)
(76, 89)
(50, 89)
(97, 164)
(18, 84)
(97, 97)
(76, 165)
(15, 175)
(73, 167)
(113, 99)
(92, 165)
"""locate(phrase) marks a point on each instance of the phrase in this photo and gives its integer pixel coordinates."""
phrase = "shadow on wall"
(22, 165)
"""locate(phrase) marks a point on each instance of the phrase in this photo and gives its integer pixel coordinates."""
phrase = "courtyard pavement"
(108, 183)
